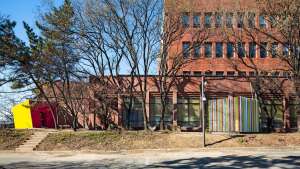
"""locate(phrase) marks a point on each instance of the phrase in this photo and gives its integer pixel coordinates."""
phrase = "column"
(147, 105)
(174, 100)
(286, 114)
(120, 111)
(213, 49)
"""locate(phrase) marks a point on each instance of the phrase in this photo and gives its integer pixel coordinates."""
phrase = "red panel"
(41, 116)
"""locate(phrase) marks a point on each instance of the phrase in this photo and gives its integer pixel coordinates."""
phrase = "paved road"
(233, 158)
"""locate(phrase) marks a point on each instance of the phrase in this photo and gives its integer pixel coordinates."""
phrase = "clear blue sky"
(23, 10)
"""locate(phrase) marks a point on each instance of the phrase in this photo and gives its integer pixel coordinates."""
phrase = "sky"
(24, 10)
(19, 11)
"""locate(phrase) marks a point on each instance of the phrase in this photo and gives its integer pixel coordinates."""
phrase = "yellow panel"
(22, 115)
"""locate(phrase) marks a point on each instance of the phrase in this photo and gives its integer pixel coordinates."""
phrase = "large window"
(188, 111)
(186, 49)
(208, 17)
(133, 114)
(230, 50)
(252, 49)
(219, 49)
(197, 50)
(263, 49)
(196, 20)
(185, 19)
(241, 49)
(208, 47)
(156, 108)
(262, 21)
(274, 49)
(285, 50)
(229, 17)
(240, 20)
(251, 20)
(218, 19)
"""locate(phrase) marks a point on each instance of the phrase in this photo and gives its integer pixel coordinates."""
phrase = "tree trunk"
(74, 123)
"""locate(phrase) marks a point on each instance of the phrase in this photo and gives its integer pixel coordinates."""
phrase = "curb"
(250, 149)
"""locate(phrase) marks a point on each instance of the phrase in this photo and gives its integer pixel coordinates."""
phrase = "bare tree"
(172, 60)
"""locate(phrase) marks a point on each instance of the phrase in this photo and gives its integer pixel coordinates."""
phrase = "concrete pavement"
(190, 158)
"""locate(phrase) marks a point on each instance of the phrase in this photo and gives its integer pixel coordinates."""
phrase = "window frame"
(186, 52)
(217, 51)
(196, 45)
(218, 19)
(229, 19)
(208, 20)
(240, 19)
(206, 45)
(185, 19)
(262, 22)
(252, 47)
(197, 15)
(241, 53)
(232, 49)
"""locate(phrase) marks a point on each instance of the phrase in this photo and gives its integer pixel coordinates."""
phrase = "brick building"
(248, 87)
(234, 62)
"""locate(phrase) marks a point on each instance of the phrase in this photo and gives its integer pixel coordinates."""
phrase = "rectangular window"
(252, 49)
(274, 49)
(251, 74)
(197, 73)
(241, 49)
(218, 19)
(186, 49)
(275, 74)
(285, 50)
(230, 50)
(286, 74)
(263, 49)
(242, 73)
(208, 73)
(219, 49)
(196, 20)
(208, 49)
(262, 21)
(186, 73)
(251, 20)
(207, 20)
(219, 73)
(264, 73)
(229, 17)
(230, 73)
(188, 111)
(240, 20)
(185, 19)
(197, 48)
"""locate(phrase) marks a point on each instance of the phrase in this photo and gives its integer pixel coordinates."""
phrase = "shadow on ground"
(229, 161)
(226, 139)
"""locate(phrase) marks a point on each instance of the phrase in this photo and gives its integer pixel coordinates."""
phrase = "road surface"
(193, 158)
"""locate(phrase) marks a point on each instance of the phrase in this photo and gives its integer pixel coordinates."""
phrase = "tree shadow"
(228, 161)
(225, 139)
(231, 161)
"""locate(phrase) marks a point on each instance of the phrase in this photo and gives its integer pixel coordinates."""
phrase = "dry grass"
(11, 138)
(114, 141)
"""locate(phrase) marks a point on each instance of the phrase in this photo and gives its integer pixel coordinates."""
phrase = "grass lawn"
(11, 138)
(114, 141)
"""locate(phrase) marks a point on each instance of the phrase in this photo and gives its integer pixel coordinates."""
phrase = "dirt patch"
(114, 141)
(11, 139)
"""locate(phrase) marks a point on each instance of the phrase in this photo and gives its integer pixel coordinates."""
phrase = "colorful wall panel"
(238, 114)
(22, 115)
